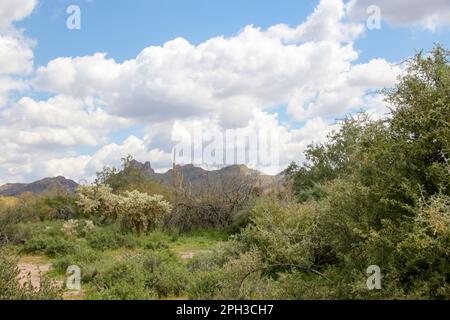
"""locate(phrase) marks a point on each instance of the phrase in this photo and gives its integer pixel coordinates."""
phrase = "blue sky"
(67, 109)
(123, 28)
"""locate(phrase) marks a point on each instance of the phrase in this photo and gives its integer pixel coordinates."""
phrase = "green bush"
(49, 245)
(206, 285)
(150, 275)
(83, 257)
(241, 218)
(155, 240)
(10, 289)
(12, 217)
(17, 233)
(276, 241)
(130, 178)
(104, 238)
(123, 290)
(20, 232)
(30, 208)
(167, 275)
(112, 237)
(124, 280)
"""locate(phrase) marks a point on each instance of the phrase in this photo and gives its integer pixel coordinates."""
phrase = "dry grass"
(7, 202)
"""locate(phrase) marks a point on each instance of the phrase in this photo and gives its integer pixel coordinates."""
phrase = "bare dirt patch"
(31, 270)
(190, 254)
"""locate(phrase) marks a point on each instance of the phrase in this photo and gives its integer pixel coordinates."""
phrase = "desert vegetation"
(376, 193)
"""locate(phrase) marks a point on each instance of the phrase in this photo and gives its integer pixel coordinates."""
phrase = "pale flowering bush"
(77, 228)
(70, 227)
(133, 210)
(98, 200)
(140, 212)
(88, 226)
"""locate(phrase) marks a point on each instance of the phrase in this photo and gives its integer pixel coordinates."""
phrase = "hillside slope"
(47, 184)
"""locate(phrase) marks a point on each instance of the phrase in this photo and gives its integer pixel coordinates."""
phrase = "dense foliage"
(377, 193)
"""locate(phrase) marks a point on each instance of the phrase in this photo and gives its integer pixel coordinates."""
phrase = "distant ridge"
(196, 175)
(191, 174)
(40, 186)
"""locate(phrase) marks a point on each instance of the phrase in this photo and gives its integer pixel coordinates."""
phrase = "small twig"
(422, 195)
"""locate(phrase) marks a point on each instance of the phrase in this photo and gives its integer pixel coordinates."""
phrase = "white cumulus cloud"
(223, 83)
(429, 14)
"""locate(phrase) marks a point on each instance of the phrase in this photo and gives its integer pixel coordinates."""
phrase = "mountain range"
(190, 174)
(195, 175)
(40, 186)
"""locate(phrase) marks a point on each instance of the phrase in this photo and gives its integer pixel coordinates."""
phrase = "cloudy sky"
(140, 73)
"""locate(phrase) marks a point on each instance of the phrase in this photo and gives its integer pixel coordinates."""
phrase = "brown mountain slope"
(47, 184)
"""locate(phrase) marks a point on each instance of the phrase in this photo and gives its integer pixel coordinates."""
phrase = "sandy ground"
(32, 272)
(32, 268)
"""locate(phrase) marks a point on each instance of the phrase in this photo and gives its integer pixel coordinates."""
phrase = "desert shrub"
(153, 241)
(206, 285)
(241, 218)
(416, 255)
(98, 201)
(123, 290)
(140, 212)
(91, 262)
(82, 257)
(66, 212)
(58, 247)
(124, 280)
(10, 289)
(207, 261)
(278, 240)
(170, 279)
(133, 210)
(213, 204)
(21, 213)
(208, 274)
(281, 232)
(104, 238)
(150, 275)
(50, 245)
(20, 232)
(112, 237)
(284, 254)
(239, 221)
(60, 205)
(30, 208)
(10, 222)
(198, 213)
(77, 228)
(53, 204)
(239, 278)
(16, 233)
(70, 227)
(166, 274)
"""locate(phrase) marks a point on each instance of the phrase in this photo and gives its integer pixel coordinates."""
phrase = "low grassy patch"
(116, 264)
